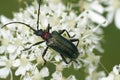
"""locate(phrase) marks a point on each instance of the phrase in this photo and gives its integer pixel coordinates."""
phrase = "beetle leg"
(76, 62)
(33, 45)
(67, 62)
(74, 40)
(44, 54)
(64, 30)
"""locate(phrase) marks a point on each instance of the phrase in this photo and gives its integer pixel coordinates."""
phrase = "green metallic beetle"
(54, 40)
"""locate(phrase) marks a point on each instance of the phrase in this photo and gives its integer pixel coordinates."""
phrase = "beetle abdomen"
(63, 46)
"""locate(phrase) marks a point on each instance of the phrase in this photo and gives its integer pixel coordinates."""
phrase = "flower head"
(18, 36)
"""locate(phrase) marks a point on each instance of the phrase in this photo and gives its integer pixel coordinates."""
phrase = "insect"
(54, 40)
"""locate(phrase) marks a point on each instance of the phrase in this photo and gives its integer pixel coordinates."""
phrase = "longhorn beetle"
(54, 40)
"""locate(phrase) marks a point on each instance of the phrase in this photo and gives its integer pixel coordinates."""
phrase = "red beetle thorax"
(46, 35)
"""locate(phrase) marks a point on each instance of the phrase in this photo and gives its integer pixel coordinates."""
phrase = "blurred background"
(110, 44)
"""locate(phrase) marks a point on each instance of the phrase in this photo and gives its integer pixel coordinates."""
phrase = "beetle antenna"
(19, 23)
(38, 15)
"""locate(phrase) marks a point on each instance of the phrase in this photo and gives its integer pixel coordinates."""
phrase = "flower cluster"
(109, 8)
(28, 65)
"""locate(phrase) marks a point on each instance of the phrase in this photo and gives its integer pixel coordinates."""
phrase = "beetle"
(54, 40)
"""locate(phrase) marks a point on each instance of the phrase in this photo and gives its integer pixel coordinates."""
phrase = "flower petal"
(44, 72)
(97, 7)
(11, 48)
(110, 77)
(110, 16)
(117, 19)
(2, 49)
(4, 72)
(99, 19)
(16, 63)
(71, 77)
(57, 76)
(20, 71)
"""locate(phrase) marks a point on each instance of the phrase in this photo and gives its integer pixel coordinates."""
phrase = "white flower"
(58, 76)
(113, 11)
(71, 77)
(35, 74)
(91, 62)
(87, 30)
(113, 75)
(96, 75)
(23, 65)
(94, 8)
(38, 75)
(53, 12)
(5, 65)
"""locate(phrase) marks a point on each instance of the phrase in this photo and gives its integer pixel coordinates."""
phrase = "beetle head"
(38, 32)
